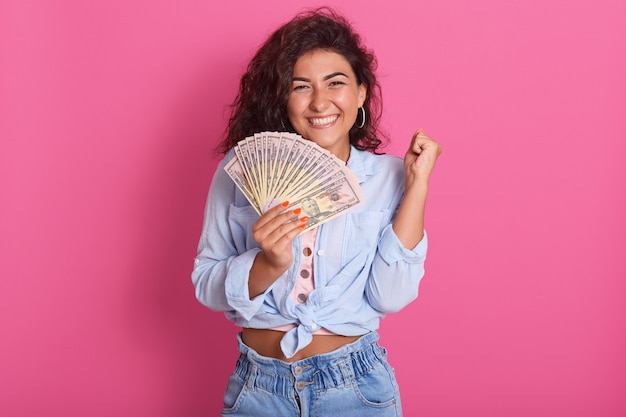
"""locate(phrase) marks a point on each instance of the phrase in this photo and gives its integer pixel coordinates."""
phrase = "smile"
(322, 121)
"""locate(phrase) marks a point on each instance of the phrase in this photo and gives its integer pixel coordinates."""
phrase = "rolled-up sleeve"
(396, 272)
(222, 265)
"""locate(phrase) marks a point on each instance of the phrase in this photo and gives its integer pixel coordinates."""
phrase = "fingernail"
(297, 211)
(302, 226)
(285, 204)
(304, 219)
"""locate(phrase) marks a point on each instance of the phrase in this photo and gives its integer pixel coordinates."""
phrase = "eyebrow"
(326, 78)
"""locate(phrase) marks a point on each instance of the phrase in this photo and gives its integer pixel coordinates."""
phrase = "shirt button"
(305, 274)
(307, 251)
(320, 252)
(302, 298)
(314, 326)
(297, 370)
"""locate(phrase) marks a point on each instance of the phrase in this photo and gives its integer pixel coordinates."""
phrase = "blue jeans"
(354, 380)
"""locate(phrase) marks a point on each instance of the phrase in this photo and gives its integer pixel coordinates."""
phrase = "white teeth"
(323, 120)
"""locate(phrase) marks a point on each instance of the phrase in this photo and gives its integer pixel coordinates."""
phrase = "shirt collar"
(363, 163)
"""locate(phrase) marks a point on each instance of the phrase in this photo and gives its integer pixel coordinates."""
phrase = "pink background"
(110, 108)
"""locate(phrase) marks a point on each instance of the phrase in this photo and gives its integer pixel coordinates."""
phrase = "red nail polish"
(304, 219)
(285, 204)
(297, 211)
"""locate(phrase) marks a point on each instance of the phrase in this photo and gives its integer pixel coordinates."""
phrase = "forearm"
(222, 285)
(419, 162)
(262, 275)
(409, 222)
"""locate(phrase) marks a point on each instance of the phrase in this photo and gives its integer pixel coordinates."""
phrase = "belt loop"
(251, 376)
(346, 371)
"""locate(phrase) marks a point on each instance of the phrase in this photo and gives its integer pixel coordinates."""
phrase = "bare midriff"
(266, 342)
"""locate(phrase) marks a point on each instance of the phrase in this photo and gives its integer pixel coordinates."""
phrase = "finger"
(420, 135)
(283, 234)
(415, 141)
(290, 230)
(269, 215)
(268, 229)
(422, 138)
(426, 143)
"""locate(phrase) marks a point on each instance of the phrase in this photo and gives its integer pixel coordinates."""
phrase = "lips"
(323, 121)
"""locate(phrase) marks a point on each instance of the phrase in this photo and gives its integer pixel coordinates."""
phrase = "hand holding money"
(274, 232)
(273, 167)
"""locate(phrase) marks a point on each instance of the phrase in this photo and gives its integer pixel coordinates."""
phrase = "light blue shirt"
(362, 271)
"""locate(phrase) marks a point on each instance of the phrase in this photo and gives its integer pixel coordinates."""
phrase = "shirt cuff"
(236, 285)
(391, 249)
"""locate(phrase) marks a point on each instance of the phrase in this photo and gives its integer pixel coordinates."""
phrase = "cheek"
(294, 107)
(349, 102)
(349, 107)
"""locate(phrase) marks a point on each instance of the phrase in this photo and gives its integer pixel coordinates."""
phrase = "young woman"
(309, 304)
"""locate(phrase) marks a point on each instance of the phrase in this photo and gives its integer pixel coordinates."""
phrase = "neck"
(344, 155)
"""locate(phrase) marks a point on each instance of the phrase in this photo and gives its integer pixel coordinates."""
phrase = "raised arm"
(419, 162)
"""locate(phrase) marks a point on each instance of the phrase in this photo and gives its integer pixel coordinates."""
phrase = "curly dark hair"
(261, 103)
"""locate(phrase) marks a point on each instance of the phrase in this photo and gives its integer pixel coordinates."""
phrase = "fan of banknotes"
(273, 167)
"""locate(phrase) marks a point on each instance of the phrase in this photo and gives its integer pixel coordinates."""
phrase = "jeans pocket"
(378, 387)
(235, 391)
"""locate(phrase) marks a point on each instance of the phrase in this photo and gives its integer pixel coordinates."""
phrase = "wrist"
(416, 185)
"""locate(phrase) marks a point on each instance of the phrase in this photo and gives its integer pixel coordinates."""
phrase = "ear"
(362, 94)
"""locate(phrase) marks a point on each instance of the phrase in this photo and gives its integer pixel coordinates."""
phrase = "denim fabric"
(354, 380)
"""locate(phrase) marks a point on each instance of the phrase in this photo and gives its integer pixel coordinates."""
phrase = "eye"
(300, 87)
(336, 83)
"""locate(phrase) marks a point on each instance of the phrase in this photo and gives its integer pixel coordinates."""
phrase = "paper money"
(270, 168)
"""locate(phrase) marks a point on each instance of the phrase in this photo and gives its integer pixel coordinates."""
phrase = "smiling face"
(324, 100)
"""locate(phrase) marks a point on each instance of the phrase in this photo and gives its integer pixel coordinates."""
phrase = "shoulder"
(224, 159)
(366, 164)
(221, 181)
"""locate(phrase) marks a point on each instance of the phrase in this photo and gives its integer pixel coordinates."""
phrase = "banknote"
(272, 167)
(236, 172)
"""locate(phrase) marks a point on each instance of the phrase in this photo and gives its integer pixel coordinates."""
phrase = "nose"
(319, 101)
